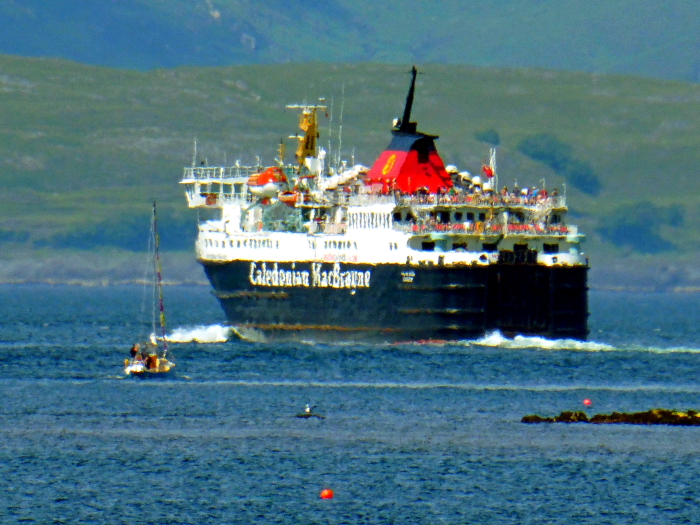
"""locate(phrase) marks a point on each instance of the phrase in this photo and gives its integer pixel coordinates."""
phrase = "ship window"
(427, 246)
(238, 189)
(458, 216)
(410, 217)
(231, 244)
(203, 189)
(444, 216)
(215, 187)
(551, 248)
(521, 253)
(459, 246)
(489, 247)
(228, 188)
(482, 217)
(238, 244)
(397, 216)
(470, 216)
(556, 219)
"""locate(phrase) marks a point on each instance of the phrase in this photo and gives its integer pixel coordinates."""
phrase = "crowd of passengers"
(476, 194)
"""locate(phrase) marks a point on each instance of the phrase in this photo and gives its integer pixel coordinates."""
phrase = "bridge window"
(489, 247)
(551, 248)
(427, 246)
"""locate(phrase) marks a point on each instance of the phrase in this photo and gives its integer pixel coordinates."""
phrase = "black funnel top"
(406, 125)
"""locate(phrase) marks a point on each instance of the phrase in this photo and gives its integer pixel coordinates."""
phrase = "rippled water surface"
(414, 433)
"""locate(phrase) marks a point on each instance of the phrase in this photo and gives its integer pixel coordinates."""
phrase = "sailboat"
(146, 358)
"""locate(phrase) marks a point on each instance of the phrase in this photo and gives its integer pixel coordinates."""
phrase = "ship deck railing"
(480, 200)
(475, 200)
(368, 199)
(206, 173)
(221, 173)
(482, 228)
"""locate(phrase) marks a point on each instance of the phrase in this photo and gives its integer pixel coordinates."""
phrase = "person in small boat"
(135, 350)
(152, 362)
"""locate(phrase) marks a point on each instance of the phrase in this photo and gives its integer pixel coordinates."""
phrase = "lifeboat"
(267, 183)
(290, 198)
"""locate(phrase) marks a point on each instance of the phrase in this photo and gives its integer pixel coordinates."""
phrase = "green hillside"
(84, 150)
(653, 38)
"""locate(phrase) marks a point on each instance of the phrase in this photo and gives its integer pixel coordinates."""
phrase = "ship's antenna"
(340, 129)
(492, 164)
(330, 128)
(406, 121)
(353, 157)
(280, 151)
(194, 153)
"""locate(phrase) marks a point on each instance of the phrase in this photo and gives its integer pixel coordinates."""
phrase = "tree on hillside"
(637, 226)
(550, 151)
(489, 136)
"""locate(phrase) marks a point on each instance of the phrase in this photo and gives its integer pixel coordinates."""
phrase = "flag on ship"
(488, 171)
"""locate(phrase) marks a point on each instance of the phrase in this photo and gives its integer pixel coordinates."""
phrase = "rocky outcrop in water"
(658, 416)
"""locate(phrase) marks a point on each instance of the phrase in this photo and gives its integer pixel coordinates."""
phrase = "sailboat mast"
(159, 272)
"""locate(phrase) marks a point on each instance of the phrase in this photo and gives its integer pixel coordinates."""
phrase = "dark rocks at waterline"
(658, 416)
(564, 417)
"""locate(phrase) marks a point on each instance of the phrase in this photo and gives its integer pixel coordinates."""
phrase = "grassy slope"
(83, 145)
(655, 38)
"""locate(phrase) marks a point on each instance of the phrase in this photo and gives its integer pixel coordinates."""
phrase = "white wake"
(200, 334)
(495, 339)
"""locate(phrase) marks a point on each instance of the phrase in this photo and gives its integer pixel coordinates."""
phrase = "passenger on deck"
(135, 350)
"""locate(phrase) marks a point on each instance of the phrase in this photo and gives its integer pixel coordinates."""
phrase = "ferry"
(405, 250)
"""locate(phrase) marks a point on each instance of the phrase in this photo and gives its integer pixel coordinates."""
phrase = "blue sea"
(413, 433)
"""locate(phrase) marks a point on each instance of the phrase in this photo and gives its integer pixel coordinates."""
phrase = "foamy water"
(495, 339)
(200, 334)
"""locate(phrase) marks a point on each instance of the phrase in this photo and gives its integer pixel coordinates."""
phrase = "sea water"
(413, 433)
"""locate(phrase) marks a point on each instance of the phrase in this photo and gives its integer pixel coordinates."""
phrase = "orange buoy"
(326, 494)
(587, 402)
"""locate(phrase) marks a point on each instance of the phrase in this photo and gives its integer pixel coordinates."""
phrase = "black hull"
(402, 303)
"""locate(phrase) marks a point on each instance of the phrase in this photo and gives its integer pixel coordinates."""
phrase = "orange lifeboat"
(290, 198)
(267, 183)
